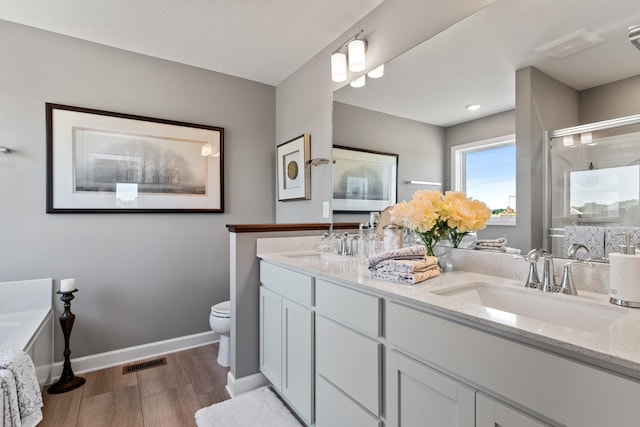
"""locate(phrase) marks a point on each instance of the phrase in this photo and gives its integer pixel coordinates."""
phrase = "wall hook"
(5, 150)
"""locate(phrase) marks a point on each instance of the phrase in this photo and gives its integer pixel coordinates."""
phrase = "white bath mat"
(257, 408)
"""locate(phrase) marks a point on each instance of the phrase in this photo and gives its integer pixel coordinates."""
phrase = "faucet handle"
(567, 286)
(533, 280)
(549, 275)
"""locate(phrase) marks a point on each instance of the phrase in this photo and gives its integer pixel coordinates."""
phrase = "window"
(486, 171)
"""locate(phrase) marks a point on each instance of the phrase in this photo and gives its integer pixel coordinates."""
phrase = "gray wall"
(420, 146)
(610, 101)
(304, 100)
(542, 103)
(142, 277)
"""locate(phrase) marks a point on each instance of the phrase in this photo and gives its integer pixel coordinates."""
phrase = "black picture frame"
(106, 162)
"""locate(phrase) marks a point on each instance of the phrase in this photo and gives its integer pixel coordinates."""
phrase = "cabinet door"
(297, 349)
(271, 336)
(493, 413)
(418, 395)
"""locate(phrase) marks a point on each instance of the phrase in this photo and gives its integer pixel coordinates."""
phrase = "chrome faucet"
(533, 280)
(567, 286)
(572, 251)
(549, 275)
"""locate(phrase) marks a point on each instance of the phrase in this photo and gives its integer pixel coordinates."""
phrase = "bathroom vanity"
(347, 350)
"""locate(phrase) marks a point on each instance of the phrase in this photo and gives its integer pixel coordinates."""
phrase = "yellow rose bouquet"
(434, 216)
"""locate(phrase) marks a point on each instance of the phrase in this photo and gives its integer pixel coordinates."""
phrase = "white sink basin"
(319, 258)
(533, 304)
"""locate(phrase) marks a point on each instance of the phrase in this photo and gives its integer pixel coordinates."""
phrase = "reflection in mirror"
(417, 109)
(594, 182)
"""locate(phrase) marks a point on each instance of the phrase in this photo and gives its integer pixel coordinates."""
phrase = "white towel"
(21, 391)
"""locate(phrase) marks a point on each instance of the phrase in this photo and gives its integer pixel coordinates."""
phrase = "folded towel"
(501, 249)
(410, 252)
(501, 241)
(409, 271)
(404, 266)
(21, 391)
(410, 279)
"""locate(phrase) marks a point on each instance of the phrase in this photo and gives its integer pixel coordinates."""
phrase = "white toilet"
(220, 321)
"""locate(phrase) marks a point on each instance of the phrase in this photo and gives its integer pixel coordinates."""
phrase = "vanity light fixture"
(567, 140)
(207, 150)
(376, 73)
(473, 107)
(355, 58)
(359, 82)
(338, 67)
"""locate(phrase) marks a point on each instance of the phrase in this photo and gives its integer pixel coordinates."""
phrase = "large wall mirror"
(418, 109)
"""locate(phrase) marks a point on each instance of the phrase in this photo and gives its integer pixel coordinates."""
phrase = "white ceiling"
(475, 60)
(260, 40)
(266, 41)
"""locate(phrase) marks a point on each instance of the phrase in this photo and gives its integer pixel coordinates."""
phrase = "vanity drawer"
(355, 309)
(351, 361)
(289, 283)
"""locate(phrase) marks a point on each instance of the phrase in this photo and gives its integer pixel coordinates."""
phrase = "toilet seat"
(222, 309)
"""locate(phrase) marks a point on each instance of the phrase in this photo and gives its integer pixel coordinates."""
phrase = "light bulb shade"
(356, 56)
(376, 73)
(338, 67)
(586, 138)
(359, 82)
(207, 149)
(567, 140)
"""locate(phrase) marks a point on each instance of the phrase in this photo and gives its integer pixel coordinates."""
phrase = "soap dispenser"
(624, 275)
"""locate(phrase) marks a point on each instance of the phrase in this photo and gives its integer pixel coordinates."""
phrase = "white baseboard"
(236, 386)
(131, 354)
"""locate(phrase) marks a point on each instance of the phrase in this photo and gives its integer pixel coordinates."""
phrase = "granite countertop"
(615, 347)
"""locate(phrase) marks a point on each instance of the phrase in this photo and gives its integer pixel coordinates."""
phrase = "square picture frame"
(106, 162)
(363, 180)
(293, 169)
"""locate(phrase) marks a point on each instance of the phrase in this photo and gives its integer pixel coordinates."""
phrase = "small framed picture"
(294, 177)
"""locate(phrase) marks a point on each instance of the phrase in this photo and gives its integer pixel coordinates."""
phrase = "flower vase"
(442, 250)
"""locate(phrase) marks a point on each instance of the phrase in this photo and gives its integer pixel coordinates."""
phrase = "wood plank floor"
(166, 395)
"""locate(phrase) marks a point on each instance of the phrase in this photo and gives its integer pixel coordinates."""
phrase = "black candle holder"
(68, 381)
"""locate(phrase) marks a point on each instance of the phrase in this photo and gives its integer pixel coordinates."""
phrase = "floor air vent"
(144, 365)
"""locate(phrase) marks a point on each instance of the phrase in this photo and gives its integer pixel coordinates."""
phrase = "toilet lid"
(222, 309)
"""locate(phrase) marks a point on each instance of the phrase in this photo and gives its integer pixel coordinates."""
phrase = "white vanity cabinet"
(436, 363)
(287, 335)
(349, 362)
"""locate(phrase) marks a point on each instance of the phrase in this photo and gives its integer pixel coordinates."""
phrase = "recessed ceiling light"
(473, 107)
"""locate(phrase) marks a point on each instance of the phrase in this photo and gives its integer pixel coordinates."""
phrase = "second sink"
(530, 303)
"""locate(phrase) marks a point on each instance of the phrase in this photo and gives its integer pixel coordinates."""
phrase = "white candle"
(67, 285)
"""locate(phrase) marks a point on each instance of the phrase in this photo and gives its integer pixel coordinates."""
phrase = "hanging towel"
(21, 391)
